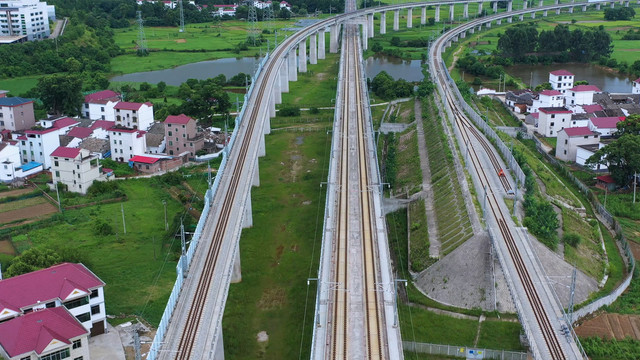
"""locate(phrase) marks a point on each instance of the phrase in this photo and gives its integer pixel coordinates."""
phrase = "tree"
(619, 13)
(621, 156)
(32, 260)
(543, 86)
(631, 125)
(376, 47)
(61, 94)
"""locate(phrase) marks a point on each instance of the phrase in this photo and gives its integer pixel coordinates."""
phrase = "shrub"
(572, 239)
(290, 111)
(102, 228)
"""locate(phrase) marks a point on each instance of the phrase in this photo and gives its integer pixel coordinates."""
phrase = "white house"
(99, 105)
(286, 5)
(24, 17)
(547, 98)
(70, 285)
(9, 160)
(37, 144)
(552, 120)
(561, 80)
(584, 152)
(636, 87)
(75, 167)
(47, 334)
(570, 138)
(134, 115)
(220, 10)
(581, 94)
(606, 126)
(126, 143)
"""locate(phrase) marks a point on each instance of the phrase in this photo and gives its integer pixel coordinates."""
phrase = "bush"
(290, 111)
(99, 188)
(572, 239)
(102, 228)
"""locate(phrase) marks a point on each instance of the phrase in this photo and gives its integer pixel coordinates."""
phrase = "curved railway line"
(353, 154)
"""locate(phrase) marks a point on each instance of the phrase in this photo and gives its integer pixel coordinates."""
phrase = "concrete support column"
(236, 276)
(409, 18)
(284, 75)
(465, 10)
(584, 8)
(321, 45)
(557, 2)
(256, 175)
(541, 3)
(277, 91)
(510, 19)
(472, 31)
(267, 124)
(598, 7)
(525, 3)
(371, 31)
(333, 38)
(293, 66)
(626, 4)
(247, 218)
(383, 22)
(437, 13)
(396, 20)
(571, 10)
(480, 8)
(495, 7)
(510, 6)
(423, 15)
(313, 49)
(451, 13)
(613, 5)
(302, 51)
(463, 34)
(557, 11)
(219, 351)
(499, 22)
(365, 37)
(488, 25)
(261, 148)
(533, 15)
(545, 13)
(521, 17)
(272, 105)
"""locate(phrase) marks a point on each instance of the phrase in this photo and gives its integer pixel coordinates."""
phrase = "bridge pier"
(272, 104)
(293, 66)
(541, 3)
(302, 51)
(333, 38)
(626, 4)
(284, 75)
(598, 6)
(396, 20)
(471, 31)
(437, 16)
(545, 13)
(533, 15)
(480, 8)
(510, 6)
(465, 10)
(451, 13)
(218, 353)
(571, 10)
(267, 125)
(584, 8)
(524, 5)
(313, 49)
(247, 217)
(488, 25)
(409, 18)
(371, 30)
(464, 34)
(521, 17)
(495, 7)
(261, 147)
(321, 45)
(423, 15)
(277, 89)
(613, 4)
(365, 36)
(499, 22)
(236, 273)
(383, 23)
(510, 19)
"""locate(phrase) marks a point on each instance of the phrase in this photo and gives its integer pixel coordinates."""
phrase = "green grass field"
(316, 87)
(19, 85)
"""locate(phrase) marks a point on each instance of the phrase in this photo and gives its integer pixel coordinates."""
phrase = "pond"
(202, 70)
(603, 79)
(410, 70)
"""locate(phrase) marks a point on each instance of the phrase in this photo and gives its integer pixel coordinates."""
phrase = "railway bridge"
(191, 325)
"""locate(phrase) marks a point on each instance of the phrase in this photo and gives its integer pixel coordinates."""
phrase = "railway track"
(354, 179)
(467, 130)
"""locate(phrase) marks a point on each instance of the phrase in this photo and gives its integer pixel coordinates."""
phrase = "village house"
(221, 10)
(635, 88)
(182, 135)
(153, 164)
(126, 143)
(37, 144)
(584, 152)
(551, 120)
(606, 126)
(76, 168)
(99, 105)
(581, 95)
(16, 113)
(547, 98)
(519, 100)
(46, 334)
(561, 80)
(156, 142)
(570, 138)
(134, 115)
(70, 285)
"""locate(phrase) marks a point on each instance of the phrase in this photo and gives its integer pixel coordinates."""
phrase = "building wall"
(99, 111)
(141, 119)
(579, 97)
(20, 117)
(38, 147)
(125, 145)
(78, 174)
(181, 138)
(567, 146)
(550, 124)
(636, 88)
(24, 17)
(9, 160)
(561, 83)
(582, 155)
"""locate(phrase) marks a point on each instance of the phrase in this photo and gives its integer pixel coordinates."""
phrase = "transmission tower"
(253, 26)
(142, 42)
(268, 16)
(181, 16)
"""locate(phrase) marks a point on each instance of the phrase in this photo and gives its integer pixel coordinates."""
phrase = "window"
(51, 304)
(95, 309)
(78, 167)
(170, 133)
(77, 344)
(94, 294)
(565, 152)
(84, 317)
(553, 116)
(170, 142)
(566, 141)
(78, 358)
(551, 124)
(86, 105)
(26, 358)
(586, 137)
(75, 303)
(57, 174)
(102, 108)
(58, 355)
(56, 163)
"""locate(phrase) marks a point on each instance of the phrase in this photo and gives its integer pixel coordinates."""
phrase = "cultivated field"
(611, 326)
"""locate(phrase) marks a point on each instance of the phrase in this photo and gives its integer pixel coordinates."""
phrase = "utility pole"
(515, 198)
(184, 251)
(60, 204)
(181, 17)
(166, 224)
(635, 179)
(124, 225)
(395, 286)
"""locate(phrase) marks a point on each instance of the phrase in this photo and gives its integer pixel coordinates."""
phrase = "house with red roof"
(77, 168)
(635, 88)
(134, 115)
(154, 164)
(182, 135)
(570, 138)
(67, 285)
(99, 105)
(16, 113)
(581, 94)
(125, 143)
(561, 80)
(547, 98)
(50, 333)
(606, 126)
(552, 119)
(37, 143)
